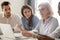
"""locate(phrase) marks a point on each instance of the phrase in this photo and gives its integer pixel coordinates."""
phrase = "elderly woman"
(47, 23)
(55, 34)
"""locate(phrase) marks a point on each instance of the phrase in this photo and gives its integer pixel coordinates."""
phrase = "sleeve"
(56, 33)
(36, 29)
(53, 25)
(18, 22)
(36, 20)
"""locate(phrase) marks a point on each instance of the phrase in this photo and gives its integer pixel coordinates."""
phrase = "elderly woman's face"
(44, 12)
(27, 13)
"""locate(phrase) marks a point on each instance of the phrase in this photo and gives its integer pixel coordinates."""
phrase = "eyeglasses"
(42, 9)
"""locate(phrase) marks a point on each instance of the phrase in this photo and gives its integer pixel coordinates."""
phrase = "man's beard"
(7, 15)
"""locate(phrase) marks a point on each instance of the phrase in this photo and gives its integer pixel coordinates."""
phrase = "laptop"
(7, 32)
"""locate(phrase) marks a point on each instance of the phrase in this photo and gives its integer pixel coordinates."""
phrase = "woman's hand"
(26, 33)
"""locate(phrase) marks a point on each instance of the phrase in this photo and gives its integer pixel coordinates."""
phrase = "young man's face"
(59, 9)
(6, 10)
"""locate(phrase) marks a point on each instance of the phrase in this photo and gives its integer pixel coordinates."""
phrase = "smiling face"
(27, 13)
(44, 12)
(6, 10)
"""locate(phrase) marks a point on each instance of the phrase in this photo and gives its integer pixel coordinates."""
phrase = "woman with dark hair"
(29, 21)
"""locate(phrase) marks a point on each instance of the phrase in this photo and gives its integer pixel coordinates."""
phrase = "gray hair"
(47, 5)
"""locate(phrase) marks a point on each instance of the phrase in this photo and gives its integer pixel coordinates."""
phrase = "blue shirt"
(25, 26)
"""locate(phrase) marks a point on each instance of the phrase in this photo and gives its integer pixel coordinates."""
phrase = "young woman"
(29, 21)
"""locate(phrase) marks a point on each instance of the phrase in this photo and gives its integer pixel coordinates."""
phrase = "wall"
(15, 6)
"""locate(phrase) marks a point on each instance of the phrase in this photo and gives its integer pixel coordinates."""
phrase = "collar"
(48, 19)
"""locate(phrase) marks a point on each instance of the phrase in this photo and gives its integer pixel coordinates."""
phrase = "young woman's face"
(44, 12)
(27, 13)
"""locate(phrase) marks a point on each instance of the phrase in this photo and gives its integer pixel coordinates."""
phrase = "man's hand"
(44, 37)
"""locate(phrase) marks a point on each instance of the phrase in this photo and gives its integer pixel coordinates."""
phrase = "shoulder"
(54, 19)
(22, 18)
(15, 16)
(35, 18)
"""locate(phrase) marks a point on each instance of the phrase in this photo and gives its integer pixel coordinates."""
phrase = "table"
(21, 37)
(18, 36)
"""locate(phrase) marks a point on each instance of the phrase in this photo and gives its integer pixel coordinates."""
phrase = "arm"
(44, 37)
(53, 26)
(56, 33)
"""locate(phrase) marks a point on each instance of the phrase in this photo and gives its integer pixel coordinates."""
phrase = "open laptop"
(7, 32)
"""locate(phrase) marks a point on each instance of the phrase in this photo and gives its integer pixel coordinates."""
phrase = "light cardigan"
(49, 27)
(56, 33)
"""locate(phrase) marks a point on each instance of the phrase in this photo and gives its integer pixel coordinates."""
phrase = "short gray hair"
(47, 5)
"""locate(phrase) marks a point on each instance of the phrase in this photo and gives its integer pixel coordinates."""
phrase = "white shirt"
(50, 25)
(13, 20)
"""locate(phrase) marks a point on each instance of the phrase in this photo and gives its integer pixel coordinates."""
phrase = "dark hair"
(30, 22)
(59, 6)
(5, 3)
(59, 2)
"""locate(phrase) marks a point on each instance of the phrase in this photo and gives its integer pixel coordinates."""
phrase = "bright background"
(17, 4)
(54, 5)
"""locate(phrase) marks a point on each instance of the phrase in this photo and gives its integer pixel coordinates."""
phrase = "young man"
(7, 17)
